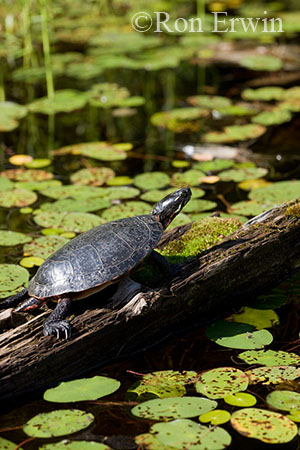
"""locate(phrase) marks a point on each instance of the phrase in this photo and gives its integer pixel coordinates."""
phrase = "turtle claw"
(56, 328)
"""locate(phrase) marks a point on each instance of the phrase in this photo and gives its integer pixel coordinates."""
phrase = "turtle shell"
(100, 255)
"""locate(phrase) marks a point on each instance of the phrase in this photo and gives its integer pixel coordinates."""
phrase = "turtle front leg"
(14, 300)
(56, 323)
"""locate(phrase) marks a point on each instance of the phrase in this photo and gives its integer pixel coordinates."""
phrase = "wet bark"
(256, 257)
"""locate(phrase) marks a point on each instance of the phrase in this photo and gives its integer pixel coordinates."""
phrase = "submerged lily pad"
(179, 120)
(17, 197)
(128, 209)
(74, 221)
(8, 238)
(82, 389)
(94, 176)
(274, 374)
(284, 400)
(270, 357)
(66, 100)
(151, 180)
(220, 382)
(261, 62)
(102, 151)
(12, 277)
(57, 423)
(44, 246)
(267, 426)
(184, 433)
(173, 407)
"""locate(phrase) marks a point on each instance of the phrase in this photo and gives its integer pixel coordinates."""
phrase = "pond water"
(169, 107)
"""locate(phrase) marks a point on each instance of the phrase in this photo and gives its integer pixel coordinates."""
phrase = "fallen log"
(256, 257)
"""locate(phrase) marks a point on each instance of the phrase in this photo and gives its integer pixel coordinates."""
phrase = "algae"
(293, 210)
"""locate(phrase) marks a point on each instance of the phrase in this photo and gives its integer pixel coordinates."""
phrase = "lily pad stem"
(46, 49)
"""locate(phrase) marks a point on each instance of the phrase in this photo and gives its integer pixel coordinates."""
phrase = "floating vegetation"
(216, 417)
(189, 178)
(265, 94)
(12, 277)
(75, 445)
(180, 120)
(73, 221)
(44, 246)
(234, 133)
(274, 117)
(65, 101)
(8, 238)
(241, 398)
(109, 95)
(284, 400)
(17, 197)
(243, 174)
(261, 62)
(27, 175)
(102, 151)
(220, 382)
(266, 318)
(128, 209)
(151, 180)
(270, 357)
(10, 114)
(274, 374)
(5, 184)
(93, 176)
(209, 101)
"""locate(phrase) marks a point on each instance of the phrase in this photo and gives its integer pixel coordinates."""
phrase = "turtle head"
(171, 205)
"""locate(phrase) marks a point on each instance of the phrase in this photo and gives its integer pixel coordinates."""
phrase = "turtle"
(95, 259)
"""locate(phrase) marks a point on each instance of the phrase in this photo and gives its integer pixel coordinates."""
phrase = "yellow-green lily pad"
(8, 238)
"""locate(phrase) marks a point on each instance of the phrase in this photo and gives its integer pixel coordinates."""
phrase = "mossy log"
(256, 257)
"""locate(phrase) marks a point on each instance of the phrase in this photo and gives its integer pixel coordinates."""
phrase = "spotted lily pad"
(241, 399)
(17, 197)
(191, 177)
(214, 166)
(76, 222)
(38, 185)
(82, 389)
(284, 400)
(179, 120)
(261, 62)
(27, 175)
(251, 185)
(151, 180)
(5, 444)
(57, 423)
(8, 238)
(12, 276)
(94, 176)
(102, 151)
(216, 417)
(82, 204)
(247, 173)
(184, 433)
(149, 442)
(267, 426)
(127, 209)
(238, 335)
(248, 208)
(72, 191)
(259, 318)
(75, 445)
(270, 357)
(44, 246)
(173, 407)
(265, 94)
(163, 384)
(274, 374)
(66, 100)
(234, 133)
(220, 382)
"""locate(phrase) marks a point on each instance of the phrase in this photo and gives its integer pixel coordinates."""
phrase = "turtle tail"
(14, 300)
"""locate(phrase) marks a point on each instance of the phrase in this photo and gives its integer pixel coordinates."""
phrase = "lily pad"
(76, 222)
(81, 205)
(251, 185)
(82, 389)
(213, 166)
(284, 400)
(8, 238)
(10, 113)
(240, 399)
(44, 246)
(31, 261)
(238, 335)
(274, 117)
(5, 444)
(261, 62)
(110, 95)
(57, 423)
(220, 382)
(151, 180)
(66, 100)
(274, 374)
(38, 163)
(234, 133)
(265, 318)
(173, 407)
(191, 177)
(102, 151)
(216, 417)
(163, 384)
(179, 120)
(128, 209)
(238, 175)
(27, 175)
(122, 180)
(12, 276)
(270, 357)
(277, 193)
(265, 94)
(267, 426)
(17, 197)
(209, 101)
(5, 184)
(149, 442)
(38, 185)
(94, 176)
(121, 193)
(184, 433)
(75, 445)
(199, 205)
(248, 208)
(72, 191)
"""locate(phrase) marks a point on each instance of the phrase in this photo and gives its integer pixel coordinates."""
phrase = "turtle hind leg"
(56, 323)
(14, 300)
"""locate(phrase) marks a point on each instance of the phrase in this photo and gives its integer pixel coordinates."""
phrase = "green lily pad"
(27, 175)
(234, 133)
(57, 423)
(238, 175)
(149, 442)
(274, 117)
(82, 389)
(72, 191)
(5, 184)
(94, 176)
(38, 163)
(265, 318)
(7, 123)
(128, 209)
(184, 433)
(10, 113)
(238, 335)
(38, 185)
(270, 357)
(251, 185)
(216, 417)
(214, 166)
(163, 384)
(274, 374)
(265, 94)
(277, 193)
(102, 151)
(239, 110)
(180, 164)
(173, 407)
(66, 100)
(75, 445)
(248, 208)
(44, 246)
(267, 426)
(220, 382)
(17, 197)
(241, 399)
(5, 444)
(261, 62)
(8, 238)
(12, 277)
(209, 101)
(151, 180)
(284, 400)
(110, 95)
(81, 205)
(119, 181)
(121, 193)
(180, 220)
(199, 205)
(179, 120)
(76, 222)
(191, 177)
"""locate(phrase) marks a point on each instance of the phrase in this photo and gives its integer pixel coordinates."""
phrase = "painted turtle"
(96, 259)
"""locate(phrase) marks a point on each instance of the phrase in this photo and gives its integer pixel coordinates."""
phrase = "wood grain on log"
(253, 259)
